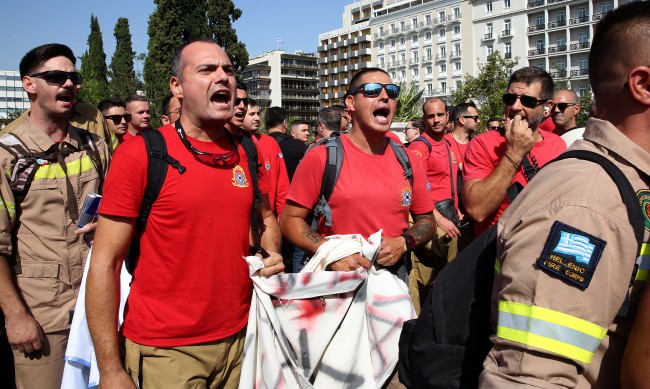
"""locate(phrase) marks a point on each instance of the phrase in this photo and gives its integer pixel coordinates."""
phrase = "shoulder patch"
(571, 254)
(644, 200)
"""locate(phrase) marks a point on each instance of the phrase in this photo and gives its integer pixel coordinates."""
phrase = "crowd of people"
(569, 273)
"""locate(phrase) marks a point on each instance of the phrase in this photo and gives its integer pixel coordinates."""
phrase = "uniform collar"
(43, 141)
(606, 135)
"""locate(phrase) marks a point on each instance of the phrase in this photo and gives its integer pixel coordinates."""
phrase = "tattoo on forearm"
(423, 229)
(312, 235)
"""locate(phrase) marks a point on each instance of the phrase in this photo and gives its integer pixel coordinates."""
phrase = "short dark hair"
(532, 74)
(274, 116)
(617, 45)
(462, 109)
(355, 82)
(494, 120)
(135, 97)
(110, 102)
(252, 102)
(165, 103)
(331, 118)
(418, 122)
(242, 86)
(38, 55)
(178, 64)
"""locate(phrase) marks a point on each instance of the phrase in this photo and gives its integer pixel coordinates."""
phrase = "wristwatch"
(410, 242)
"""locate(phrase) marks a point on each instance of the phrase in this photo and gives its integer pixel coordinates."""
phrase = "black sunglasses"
(526, 101)
(118, 118)
(475, 117)
(562, 106)
(495, 128)
(59, 77)
(226, 159)
(373, 89)
(238, 101)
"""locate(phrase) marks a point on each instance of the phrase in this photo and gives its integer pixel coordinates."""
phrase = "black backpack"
(159, 162)
(446, 346)
(333, 163)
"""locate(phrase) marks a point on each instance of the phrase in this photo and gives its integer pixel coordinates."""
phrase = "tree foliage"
(408, 103)
(221, 14)
(123, 81)
(487, 87)
(93, 67)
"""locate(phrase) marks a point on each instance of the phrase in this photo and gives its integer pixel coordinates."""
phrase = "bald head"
(565, 110)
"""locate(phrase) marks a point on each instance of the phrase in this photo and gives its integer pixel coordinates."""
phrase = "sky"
(26, 25)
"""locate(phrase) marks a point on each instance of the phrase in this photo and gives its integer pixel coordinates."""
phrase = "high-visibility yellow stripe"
(497, 266)
(549, 330)
(114, 142)
(10, 207)
(545, 343)
(56, 171)
(555, 317)
(643, 262)
(645, 249)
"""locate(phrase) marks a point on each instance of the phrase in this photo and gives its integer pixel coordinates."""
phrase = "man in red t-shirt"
(494, 159)
(273, 159)
(186, 315)
(371, 192)
(138, 107)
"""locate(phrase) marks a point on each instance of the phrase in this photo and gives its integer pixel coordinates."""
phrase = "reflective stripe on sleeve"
(10, 207)
(644, 263)
(56, 171)
(497, 265)
(549, 330)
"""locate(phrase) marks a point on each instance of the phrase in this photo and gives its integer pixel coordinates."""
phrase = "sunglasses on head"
(373, 89)
(227, 159)
(244, 100)
(526, 101)
(59, 77)
(118, 118)
(563, 106)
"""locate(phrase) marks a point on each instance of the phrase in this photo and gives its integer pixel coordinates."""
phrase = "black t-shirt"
(292, 150)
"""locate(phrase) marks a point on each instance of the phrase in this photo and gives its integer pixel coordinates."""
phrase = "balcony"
(507, 55)
(506, 33)
(534, 4)
(580, 46)
(580, 72)
(558, 23)
(401, 63)
(579, 20)
(536, 52)
(454, 54)
(455, 18)
(557, 49)
(441, 57)
(440, 21)
(597, 17)
(558, 74)
(488, 37)
(381, 34)
(539, 27)
(427, 59)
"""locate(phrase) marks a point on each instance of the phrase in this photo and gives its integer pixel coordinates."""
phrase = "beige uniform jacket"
(50, 255)
(552, 333)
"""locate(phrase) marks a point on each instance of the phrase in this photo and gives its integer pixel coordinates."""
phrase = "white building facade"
(13, 98)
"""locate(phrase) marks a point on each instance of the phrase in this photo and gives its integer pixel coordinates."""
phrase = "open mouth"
(65, 96)
(382, 113)
(239, 115)
(222, 97)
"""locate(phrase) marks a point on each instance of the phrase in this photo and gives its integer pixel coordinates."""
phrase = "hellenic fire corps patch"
(407, 196)
(239, 177)
(571, 254)
(644, 200)
(419, 154)
(267, 165)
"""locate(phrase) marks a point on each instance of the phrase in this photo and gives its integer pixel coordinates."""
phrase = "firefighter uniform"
(564, 297)
(39, 231)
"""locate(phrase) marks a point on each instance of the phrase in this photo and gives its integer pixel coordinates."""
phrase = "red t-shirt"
(127, 136)
(486, 150)
(278, 177)
(370, 193)
(437, 167)
(191, 284)
(394, 136)
(459, 149)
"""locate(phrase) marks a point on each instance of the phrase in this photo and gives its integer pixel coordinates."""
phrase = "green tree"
(93, 67)
(487, 87)
(123, 81)
(585, 103)
(221, 14)
(408, 102)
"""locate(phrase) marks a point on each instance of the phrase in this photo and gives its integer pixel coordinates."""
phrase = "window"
(428, 70)
(427, 19)
(605, 6)
(560, 65)
(402, 25)
(456, 65)
(457, 48)
(381, 62)
(427, 35)
(402, 40)
(582, 13)
(583, 63)
(416, 73)
(441, 33)
(456, 13)
(402, 74)
(559, 16)
(506, 3)
(392, 28)
(427, 53)
(490, 50)
(441, 15)
(402, 57)
(507, 26)
(583, 37)
(539, 20)
(442, 50)
(414, 56)
(456, 30)
(443, 87)
(540, 45)
(488, 6)
(414, 39)
(414, 22)
(508, 50)
(488, 30)
(393, 75)
(429, 89)
(392, 43)
(582, 91)
(381, 45)
(381, 30)
(561, 40)
(443, 68)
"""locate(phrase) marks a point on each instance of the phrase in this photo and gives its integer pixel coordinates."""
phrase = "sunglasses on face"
(59, 77)
(526, 101)
(475, 117)
(118, 118)
(495, 128)
(227, 159)
(373, 89)
(562, 106)
(244, 100)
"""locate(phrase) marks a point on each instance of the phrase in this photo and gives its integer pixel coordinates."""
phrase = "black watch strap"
(410, 241)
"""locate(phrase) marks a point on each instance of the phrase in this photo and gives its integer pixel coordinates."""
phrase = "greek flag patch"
(571, 254)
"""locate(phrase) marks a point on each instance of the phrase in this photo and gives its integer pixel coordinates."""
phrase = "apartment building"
(285, 80)
(13, 98)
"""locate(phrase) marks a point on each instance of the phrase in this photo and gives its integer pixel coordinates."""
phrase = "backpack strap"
(333, 162)
(624, 187)
(246, 140)
(425, 141)
(25, 165)
(403, 159)
(90, 146)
